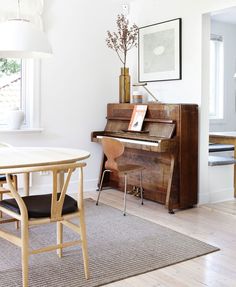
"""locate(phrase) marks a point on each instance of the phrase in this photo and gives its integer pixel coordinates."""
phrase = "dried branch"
(124, 39)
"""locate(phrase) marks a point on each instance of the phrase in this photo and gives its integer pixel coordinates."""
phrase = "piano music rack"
(145, 120)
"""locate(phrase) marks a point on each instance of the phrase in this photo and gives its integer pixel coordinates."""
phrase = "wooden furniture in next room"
(113, 149)
(225, 138)
(167, 147)
(56, 207)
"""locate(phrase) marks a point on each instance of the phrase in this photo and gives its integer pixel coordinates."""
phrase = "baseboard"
(204, 198)
(219, 196)
(89, 185)
(222, 195)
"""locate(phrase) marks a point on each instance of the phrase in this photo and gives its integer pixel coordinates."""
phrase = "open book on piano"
(137, 118)
(167, 146)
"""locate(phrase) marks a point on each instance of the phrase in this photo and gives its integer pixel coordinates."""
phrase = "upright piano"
(167, 147)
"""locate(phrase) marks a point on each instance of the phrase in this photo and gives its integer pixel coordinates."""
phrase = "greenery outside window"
(19, 88)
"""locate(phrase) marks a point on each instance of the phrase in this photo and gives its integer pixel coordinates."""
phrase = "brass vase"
(124, 87)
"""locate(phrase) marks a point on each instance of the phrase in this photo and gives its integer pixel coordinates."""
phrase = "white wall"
(81, 78)
(190, 88)
(228, 31)
(78, 81)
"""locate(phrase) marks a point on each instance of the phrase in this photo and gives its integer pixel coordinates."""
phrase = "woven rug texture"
(119, 247)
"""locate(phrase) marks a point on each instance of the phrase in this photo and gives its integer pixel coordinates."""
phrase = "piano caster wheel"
(171, 211)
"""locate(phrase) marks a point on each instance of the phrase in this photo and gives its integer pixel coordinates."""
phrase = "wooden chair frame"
(7, 191)
(56, 215)
(14, 180)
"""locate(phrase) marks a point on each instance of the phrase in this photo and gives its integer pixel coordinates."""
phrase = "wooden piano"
(167, 147)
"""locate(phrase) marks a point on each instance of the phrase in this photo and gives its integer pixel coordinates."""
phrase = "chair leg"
(15, 183)
(125, 192)
(59, 238)
(84, 245)
(17, 224)
(100, 186)
(26, 183)
(25, 253)
(141, 186)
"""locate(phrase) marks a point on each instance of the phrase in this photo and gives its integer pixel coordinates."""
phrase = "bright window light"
(19, 88)
(216, 102)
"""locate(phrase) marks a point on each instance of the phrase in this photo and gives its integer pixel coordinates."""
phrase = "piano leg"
(168, 193)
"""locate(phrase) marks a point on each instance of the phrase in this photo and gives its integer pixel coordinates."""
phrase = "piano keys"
(157, 145)
(167, 146)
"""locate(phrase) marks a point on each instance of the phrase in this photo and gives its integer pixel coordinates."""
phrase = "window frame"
(219, 82)
(30, 94)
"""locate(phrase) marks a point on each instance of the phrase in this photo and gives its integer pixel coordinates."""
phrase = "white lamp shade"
(20, 39)
(234, 75)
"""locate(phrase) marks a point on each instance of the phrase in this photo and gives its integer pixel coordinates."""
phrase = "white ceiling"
(227, 16)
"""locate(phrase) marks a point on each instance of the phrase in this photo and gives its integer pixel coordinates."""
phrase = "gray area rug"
(119, 247)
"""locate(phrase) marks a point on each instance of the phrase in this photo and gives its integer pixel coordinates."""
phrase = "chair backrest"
(56, 204)
(112, 149)
(2, 145)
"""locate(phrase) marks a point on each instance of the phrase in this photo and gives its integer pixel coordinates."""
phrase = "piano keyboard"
(148, 143)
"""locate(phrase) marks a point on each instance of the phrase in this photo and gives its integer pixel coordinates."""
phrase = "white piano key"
(132, 141)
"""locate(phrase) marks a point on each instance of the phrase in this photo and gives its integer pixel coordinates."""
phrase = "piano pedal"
(132, 192)
(171, 211)
(136, 191)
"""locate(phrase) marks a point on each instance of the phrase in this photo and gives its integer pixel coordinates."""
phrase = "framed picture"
(160, 52)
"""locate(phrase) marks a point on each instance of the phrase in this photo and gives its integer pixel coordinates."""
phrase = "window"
(10, 87)
(216, 102)
(19, 89)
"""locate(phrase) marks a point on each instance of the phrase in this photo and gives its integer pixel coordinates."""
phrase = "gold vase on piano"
(124, 87)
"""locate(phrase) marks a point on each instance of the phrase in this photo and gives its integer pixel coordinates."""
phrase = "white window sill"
(22, 131)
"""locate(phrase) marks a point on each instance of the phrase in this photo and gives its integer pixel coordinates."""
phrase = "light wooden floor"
(211, 224)
(227, 207)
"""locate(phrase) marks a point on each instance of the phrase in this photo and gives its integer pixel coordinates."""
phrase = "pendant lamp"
(19, 38)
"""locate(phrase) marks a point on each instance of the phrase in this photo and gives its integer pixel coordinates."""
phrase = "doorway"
(219, 87)
(222, 96)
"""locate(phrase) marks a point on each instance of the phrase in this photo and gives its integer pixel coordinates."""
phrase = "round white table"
(16, 157)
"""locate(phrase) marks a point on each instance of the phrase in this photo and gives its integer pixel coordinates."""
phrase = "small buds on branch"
(124, 39)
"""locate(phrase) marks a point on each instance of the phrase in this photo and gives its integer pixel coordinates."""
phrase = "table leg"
(60, 181)
(26, 183)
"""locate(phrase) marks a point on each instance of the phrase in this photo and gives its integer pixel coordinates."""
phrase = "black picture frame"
(160, 51)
